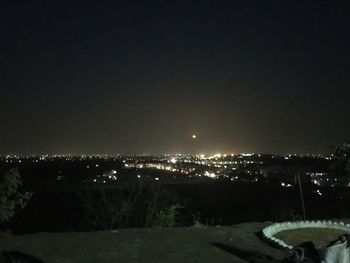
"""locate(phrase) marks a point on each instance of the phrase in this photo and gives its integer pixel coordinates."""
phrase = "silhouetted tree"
(341, 164)
(10, 197)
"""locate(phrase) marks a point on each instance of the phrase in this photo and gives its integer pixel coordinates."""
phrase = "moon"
(194, 136)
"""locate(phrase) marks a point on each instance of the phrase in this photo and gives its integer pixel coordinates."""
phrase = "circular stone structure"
(270, 231)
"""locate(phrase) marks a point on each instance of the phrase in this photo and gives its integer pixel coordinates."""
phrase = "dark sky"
(143, 76)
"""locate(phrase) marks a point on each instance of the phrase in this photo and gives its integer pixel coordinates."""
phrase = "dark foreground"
(216, 203)
(192, 244)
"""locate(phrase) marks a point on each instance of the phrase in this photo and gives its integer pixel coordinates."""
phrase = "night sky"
(86, 77)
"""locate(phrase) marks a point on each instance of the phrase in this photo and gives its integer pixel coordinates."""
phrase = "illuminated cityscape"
(245, 167)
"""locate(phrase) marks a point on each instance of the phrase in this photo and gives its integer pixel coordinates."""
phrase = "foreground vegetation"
(11, 199)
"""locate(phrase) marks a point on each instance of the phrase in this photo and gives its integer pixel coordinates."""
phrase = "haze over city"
(135, 77)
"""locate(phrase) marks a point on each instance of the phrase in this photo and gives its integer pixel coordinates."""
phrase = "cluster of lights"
(108, 176)
(286, 184)
(211, 166)
(209, 174)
